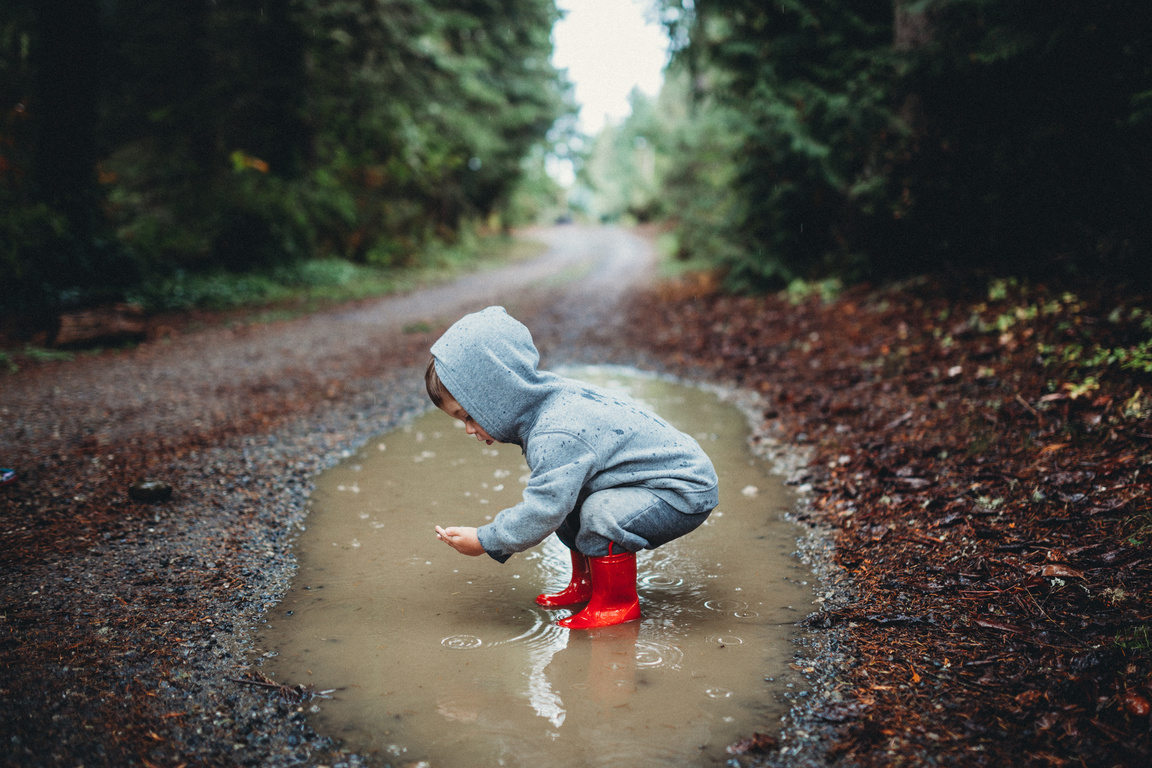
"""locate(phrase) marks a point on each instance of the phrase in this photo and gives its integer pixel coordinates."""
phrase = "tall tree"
(1030, 139)
(241, 133)
(65, 104)
(887, 136)
(50, 219)
(804, 83)
(262, 82)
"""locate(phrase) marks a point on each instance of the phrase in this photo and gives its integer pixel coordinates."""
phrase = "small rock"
(150, 491)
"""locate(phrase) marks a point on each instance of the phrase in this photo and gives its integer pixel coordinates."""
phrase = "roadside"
(980, 455)
(180, 304)
(987, 602)
(124, 626)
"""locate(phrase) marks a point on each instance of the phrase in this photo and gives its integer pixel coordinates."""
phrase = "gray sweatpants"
(629, 518)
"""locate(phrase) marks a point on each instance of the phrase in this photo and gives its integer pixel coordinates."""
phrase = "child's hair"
(436, 390)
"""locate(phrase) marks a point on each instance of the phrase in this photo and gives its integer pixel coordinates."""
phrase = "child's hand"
(463, 540)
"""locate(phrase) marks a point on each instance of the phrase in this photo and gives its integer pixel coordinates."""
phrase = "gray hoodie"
(577, 439)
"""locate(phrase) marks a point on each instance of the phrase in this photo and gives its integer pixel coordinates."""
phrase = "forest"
(914, 233)
(817, 139)
(143, 143)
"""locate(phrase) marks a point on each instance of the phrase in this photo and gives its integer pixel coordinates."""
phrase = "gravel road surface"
(126, 628)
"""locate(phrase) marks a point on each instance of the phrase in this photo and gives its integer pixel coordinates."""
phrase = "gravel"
(127, 627)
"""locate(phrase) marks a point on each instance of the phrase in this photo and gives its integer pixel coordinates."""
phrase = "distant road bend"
(194, 381)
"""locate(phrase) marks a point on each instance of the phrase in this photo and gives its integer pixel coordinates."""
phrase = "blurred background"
(206, 153)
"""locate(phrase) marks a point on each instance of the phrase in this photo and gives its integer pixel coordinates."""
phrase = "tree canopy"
(885, 137)
(140, 137)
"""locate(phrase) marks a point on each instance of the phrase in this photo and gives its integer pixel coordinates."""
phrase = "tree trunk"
(67, 50)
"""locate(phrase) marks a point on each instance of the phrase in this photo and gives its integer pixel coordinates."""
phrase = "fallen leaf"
(1028, 698)
(1136, 705)
(1001, 626)
(1057, 571)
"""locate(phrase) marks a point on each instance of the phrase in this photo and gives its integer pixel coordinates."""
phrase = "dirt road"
(125, 626)
(202, 381)
(980, 525)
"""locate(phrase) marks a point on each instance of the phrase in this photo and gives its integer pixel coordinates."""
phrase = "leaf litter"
(982, 464)
(984, 485)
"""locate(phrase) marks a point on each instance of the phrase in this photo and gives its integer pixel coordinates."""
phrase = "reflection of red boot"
(579, 589)
(614, 598)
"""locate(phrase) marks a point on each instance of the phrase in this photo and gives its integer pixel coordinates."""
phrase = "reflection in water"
(447, 659)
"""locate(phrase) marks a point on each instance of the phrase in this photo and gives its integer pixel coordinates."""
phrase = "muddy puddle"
(445, 661)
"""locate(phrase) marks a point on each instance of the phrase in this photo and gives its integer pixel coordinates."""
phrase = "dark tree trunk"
(65, 109)
(267, 114)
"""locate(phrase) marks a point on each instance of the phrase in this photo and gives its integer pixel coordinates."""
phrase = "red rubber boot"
(614, 598)
(579, 589)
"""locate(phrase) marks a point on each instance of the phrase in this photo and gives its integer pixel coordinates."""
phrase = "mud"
(446, 659)
(127, 629)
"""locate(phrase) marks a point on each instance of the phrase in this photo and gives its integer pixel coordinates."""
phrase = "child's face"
(453, 409)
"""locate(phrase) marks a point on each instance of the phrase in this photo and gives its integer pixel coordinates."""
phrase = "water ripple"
(661, 581)
(542, 634)
(657, 653)
(462, 642)
(725, 640)
(726, 606)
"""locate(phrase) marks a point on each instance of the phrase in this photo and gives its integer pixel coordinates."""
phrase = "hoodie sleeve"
(559, 472)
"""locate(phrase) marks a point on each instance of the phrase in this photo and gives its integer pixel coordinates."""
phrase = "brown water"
(445, 661)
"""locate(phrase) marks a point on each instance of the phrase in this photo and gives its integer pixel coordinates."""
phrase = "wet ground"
(987, 492)
(986, 602)
(127, 628)
(447, 659)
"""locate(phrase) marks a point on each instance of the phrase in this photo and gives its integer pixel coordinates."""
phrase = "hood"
(487, 361)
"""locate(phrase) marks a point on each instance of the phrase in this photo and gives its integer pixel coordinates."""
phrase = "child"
(608, 477)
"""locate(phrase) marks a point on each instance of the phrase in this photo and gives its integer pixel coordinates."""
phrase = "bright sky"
(608, 48)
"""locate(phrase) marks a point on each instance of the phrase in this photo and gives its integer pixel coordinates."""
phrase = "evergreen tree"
(251, 133)
(877, 138)
(1033, 143)
(803, 85)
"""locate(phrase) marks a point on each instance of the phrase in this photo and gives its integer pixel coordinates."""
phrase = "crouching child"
(608, 477)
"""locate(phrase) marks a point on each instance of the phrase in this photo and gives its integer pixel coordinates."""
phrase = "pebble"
(150, 491)
(241, 502)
